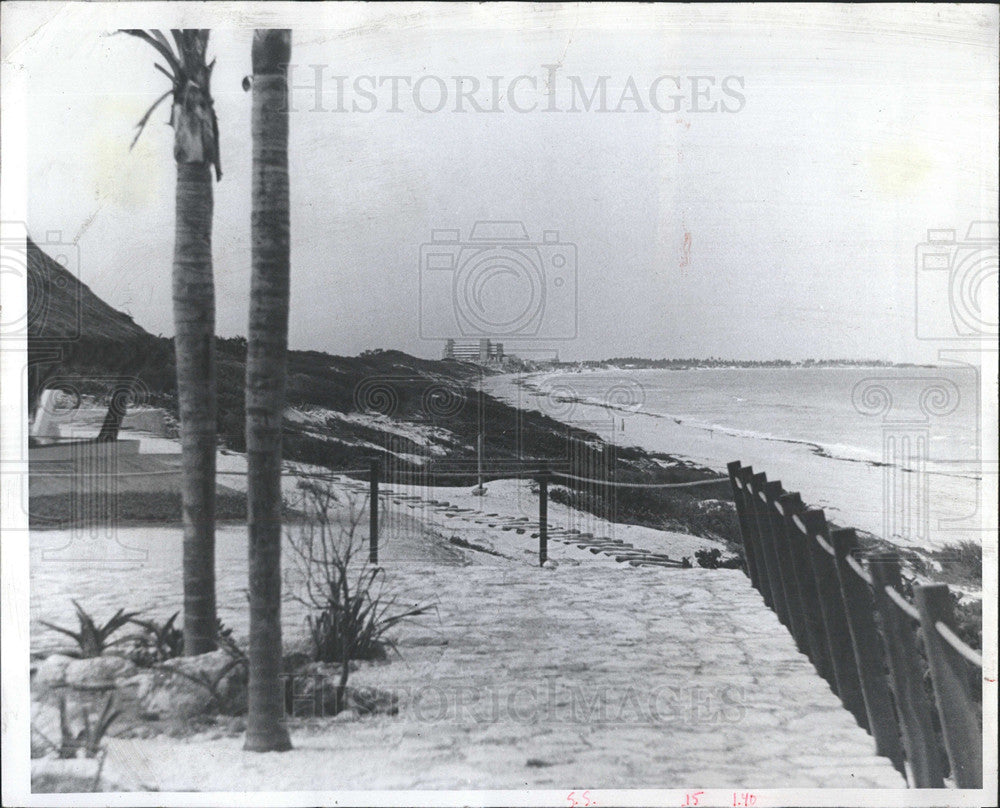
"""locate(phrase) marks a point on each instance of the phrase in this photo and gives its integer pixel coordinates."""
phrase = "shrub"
(330, 574)
(961, 563)
(162, 641)
(93, 640)
(224, 638)
(712, 559)
(159, 642)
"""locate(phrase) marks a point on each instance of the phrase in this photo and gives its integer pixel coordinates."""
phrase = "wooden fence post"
(769, 553)
(838, 633)
(859, 608)
(543, 517)
(748, 551)
(949, 672)
(907, 676)
(373, 512)
(812, 616)
(796, 617)
(753, 533)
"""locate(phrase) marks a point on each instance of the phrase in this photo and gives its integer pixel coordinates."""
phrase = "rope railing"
(616, 484)
(904, 605)
(849, 616)
(218, 473)
(860, 571)
(823, 545)
(430, 472)
(955, 642)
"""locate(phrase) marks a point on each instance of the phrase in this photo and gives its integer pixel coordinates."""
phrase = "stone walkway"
(588, 676)
(593, 674)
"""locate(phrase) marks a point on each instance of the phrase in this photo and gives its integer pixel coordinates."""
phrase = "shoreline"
(848, 489)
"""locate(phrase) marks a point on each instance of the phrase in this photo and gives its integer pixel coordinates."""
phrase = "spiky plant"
(92, 640)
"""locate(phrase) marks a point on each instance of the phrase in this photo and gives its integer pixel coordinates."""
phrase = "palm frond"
(158, 35)
(145, 118)
(161, 46)
(168, 74)
(180, 41)
(208, 76)
(60, 629)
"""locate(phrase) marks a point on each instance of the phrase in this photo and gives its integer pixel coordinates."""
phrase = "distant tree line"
(715, 362)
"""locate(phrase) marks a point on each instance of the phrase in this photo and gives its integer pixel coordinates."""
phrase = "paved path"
(594, 674)
(589, 676)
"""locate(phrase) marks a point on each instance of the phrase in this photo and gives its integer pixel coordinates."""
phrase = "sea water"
(894, 451)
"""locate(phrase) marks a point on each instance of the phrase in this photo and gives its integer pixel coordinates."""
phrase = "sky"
(766, 198)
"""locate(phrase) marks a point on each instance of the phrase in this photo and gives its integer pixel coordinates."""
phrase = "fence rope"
(955, 642)
(426, 473)
(690, 484)
(822, 543)
(474, 473)
(852, 562)
(905, 606)
(167, 472)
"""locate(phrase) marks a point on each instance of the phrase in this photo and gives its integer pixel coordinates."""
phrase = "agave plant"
(159, 642)
(93, 640)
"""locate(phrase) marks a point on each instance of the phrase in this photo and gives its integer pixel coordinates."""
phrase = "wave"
(848, 453)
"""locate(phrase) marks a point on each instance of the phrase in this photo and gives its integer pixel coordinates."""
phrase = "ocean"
(892, 451)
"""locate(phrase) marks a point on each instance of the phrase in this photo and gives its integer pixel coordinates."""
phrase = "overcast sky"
(782, 221)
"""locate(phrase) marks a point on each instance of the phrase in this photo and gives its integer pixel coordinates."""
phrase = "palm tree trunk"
(194, 321)
(267, 342)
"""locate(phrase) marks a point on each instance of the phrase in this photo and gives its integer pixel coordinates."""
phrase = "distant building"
(485, 352)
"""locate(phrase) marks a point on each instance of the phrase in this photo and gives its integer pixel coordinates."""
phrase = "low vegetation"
(351, 611)
(92, 639)
(961, 563)
(89, 738)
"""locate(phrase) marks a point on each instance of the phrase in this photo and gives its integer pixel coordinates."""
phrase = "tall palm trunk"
(196, 150)
(194, 322)
(267, 342)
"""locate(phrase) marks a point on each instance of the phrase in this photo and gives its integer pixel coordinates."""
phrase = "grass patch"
(56, 511)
